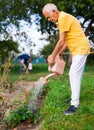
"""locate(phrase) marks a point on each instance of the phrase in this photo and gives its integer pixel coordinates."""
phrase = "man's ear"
(53, 11)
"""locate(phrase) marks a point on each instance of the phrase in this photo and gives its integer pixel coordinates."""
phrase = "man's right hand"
(51, 60)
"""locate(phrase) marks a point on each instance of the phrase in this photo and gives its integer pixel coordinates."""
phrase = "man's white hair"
(50, 7)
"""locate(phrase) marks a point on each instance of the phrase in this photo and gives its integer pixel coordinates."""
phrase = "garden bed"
(11, 100)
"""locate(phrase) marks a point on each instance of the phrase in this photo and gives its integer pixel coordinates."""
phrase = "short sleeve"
(64, 23)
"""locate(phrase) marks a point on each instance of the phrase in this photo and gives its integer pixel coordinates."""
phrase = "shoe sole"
(67, 114)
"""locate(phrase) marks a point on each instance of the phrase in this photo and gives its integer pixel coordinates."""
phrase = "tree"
(6, 47)
(47, 49)
(13, 11)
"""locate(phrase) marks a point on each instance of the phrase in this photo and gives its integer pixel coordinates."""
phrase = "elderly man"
(71, 34)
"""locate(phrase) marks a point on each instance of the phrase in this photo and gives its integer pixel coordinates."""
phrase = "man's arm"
(60, 44)
(62, 50)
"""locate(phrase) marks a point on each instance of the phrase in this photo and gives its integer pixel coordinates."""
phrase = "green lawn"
(54, 105)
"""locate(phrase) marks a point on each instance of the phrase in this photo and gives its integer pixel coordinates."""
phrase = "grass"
(54, 106)
(38, 70)
(59, 90)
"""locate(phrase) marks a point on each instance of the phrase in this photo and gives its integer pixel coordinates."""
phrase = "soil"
(28, 126)
(11, 98)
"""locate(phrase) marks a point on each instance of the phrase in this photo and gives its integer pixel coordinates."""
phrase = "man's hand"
(51, 59)
(59, 56)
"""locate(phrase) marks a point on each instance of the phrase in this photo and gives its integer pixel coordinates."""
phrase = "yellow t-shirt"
(75, 37)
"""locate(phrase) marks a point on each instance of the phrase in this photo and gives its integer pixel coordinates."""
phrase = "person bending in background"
(71, 34)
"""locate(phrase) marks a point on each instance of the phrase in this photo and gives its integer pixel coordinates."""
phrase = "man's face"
(52, 16)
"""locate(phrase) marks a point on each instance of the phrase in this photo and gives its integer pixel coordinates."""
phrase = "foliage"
(23, 112)
(47, 49)
(6, 47)
(18, 115)
(13, 11)
(90, 59)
